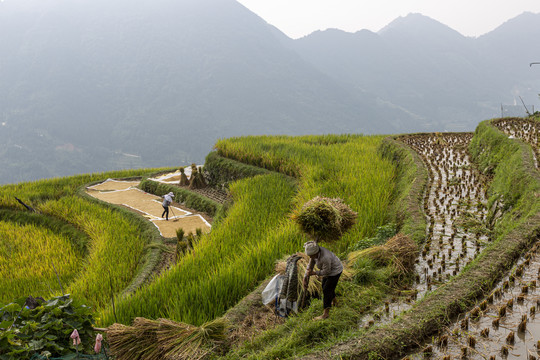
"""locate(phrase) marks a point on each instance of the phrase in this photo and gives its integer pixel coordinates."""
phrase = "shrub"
(44, 328)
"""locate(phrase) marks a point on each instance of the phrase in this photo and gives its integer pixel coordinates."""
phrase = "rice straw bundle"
(183, 178)
(165, 339)
(197, 179)
(325, 219)
(181, 341)
(133, 342)
(399, 251)
(315, 284)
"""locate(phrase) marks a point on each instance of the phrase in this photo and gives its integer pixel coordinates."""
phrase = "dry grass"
(399, 251)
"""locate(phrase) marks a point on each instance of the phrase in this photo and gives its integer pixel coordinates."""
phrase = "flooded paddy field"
(455, 210)
(503, 325)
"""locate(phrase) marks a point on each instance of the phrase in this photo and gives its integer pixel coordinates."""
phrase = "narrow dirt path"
(126, 194)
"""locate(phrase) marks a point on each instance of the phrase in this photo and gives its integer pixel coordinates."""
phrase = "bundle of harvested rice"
(315, 286)
(134, 342)
(325, 219)
(181, 341)
(399, 251)
(165, 339)
(197, 179)
(183, 178)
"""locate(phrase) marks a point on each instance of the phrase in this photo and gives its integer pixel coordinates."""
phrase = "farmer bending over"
(330, 270)
(167, 200)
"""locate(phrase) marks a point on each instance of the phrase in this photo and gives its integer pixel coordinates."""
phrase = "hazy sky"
(297, 18)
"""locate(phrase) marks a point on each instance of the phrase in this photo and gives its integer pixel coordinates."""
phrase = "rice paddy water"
(455, 207)
(505, 323)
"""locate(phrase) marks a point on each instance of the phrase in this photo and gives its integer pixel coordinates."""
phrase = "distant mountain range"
(97, 85)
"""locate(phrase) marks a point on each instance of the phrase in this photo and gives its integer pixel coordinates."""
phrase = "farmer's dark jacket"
(328, 263)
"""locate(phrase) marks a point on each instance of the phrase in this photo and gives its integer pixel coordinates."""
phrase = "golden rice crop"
(115, 248)
(27, 255)
(114, 252)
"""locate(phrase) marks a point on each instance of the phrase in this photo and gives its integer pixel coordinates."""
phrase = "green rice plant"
(115, 249)
(225, 264)
(344, 166)
(27, 256)
(242, 249)
(112, 250)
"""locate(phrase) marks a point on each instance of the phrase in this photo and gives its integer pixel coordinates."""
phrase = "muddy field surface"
(126, 194)
(502, 326)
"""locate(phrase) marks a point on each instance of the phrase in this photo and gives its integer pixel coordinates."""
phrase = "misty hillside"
(96, 85)
(450, 80)
(89, 86)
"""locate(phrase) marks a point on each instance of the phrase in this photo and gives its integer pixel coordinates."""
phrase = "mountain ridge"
(83, 82)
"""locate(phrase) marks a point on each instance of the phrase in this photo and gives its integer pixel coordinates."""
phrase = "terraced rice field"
(455, 208)
(503, 325)
(523, 129)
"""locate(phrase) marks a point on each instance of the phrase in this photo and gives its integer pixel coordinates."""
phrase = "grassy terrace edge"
(509, 162)
(412, 178)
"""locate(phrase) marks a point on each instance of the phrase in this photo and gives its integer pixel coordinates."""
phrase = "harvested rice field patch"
(503, 325)
(148, 204)
(189, 223)
(455, 207)
(112, 185)
(174, 177)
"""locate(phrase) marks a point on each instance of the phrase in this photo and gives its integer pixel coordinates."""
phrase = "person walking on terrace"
(167, 201)
(330, 270)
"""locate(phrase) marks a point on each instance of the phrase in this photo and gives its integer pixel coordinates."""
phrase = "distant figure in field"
(330, 270)
(167, 201)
